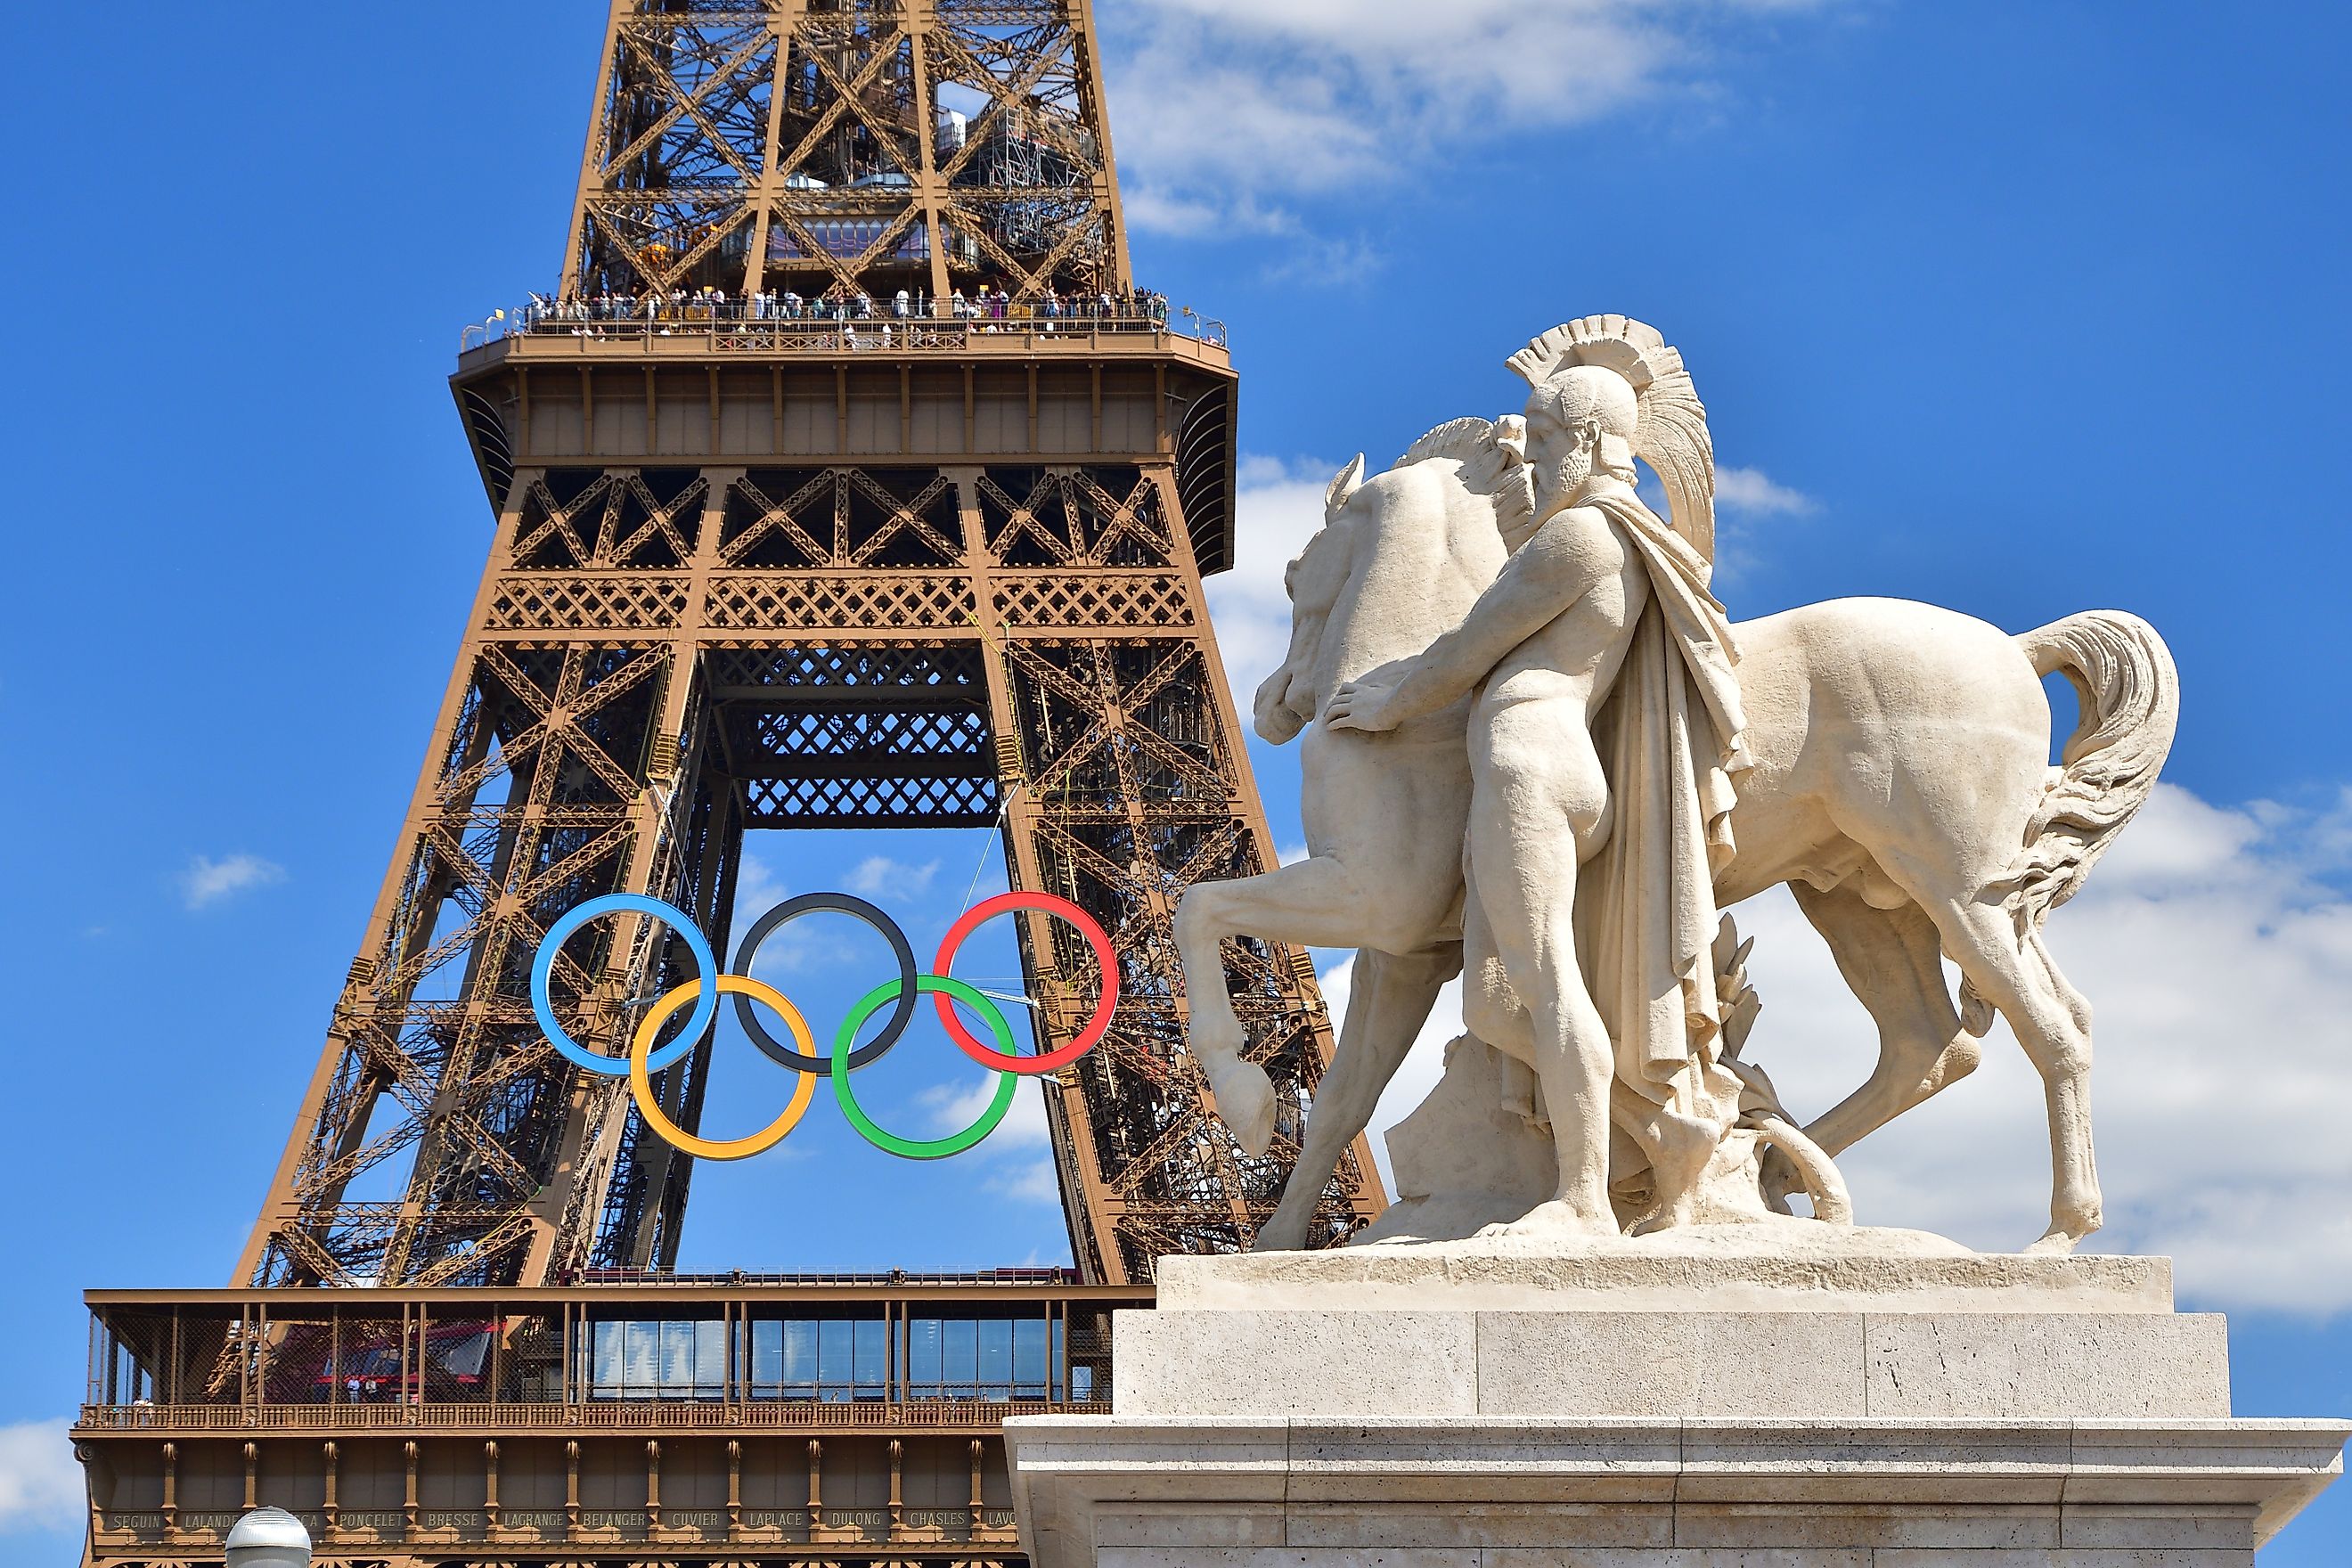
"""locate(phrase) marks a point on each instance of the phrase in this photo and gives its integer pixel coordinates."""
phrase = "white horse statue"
(1900, 785)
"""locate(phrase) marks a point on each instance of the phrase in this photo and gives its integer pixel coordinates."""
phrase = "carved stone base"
(1689, 1411)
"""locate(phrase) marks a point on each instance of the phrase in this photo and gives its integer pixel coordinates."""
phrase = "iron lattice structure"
(824, 145)
(752, 575)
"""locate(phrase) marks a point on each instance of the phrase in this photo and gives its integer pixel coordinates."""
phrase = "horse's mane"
(1465, 440)
(1490, 455)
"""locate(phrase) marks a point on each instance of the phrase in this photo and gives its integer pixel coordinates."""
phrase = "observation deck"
(920, 392)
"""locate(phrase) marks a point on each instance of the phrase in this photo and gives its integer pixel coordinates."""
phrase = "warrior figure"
(1604, 736)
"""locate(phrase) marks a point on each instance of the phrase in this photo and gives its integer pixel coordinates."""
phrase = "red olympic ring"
(1096, 1027)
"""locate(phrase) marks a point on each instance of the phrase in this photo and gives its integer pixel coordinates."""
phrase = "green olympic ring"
(843, 1039)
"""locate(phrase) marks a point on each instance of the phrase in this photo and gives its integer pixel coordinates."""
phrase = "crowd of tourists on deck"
(992, 307)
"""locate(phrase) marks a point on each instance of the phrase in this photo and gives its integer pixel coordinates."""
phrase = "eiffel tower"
(845, 482)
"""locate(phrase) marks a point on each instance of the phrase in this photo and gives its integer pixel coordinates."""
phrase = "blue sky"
(2017, 308)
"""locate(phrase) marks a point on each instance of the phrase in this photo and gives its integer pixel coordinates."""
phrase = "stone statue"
(1621, 762)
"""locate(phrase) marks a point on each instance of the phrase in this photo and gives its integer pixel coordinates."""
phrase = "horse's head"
(1461, 477)
(1286, 699)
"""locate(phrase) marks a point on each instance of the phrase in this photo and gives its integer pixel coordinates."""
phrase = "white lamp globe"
(268, 1538)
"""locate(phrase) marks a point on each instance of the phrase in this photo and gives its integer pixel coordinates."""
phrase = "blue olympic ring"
(542, 972)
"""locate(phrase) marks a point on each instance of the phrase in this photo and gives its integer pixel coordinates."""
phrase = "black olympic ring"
(901, 1013)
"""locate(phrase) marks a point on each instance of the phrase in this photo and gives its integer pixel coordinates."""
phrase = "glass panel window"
(835, 1363)
(870, 1359)
(923, 1358)
(673, 1359)
(677, 1358)
(809, 1358)
(604, 1361)
(800, 1359)
(995, 1359)
(959, 1357)
(710, 1360)
(640, 1359)
(767, 1359)
(1029, 1358)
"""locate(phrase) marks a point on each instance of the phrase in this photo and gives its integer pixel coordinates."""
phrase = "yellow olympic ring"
(641, 1080)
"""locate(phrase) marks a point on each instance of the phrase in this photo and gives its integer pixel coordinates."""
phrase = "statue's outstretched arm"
(1538, 585)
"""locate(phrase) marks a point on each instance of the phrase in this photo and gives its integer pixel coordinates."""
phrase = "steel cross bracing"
(662, 658)
(835, 146)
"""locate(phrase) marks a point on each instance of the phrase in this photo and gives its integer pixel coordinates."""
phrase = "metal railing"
(730, 329)
(529, 1526)
(894, 1279)
(630, 1415)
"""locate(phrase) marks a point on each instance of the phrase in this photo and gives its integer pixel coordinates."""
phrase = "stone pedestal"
(1632, 1408)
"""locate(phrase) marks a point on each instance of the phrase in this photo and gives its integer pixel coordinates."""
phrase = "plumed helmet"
(1670, 430)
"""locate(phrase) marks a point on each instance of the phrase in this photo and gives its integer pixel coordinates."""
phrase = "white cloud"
(796, 947)
(1019, 1141)
(1225, 108)
(1033, 1183)
(2221, 976)
(1753, 492)
(952, 1110)
(879, 877)
(1745, 496)
(207, 882)
(40, 1480)
(759, 888)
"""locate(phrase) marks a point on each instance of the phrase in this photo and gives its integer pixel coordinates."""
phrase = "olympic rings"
(1096, 1027)
(543, 970)
(945, 993)
(641, 1085)
(839, 904)
(847, 1055)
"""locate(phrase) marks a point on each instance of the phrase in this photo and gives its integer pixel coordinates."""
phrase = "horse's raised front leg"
(1317, 903)
(1894, 960)
(1388, 1000)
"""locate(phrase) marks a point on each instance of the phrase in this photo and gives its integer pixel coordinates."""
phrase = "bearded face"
(1568, 419)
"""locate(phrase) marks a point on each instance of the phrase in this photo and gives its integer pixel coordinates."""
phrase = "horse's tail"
(2129, 696)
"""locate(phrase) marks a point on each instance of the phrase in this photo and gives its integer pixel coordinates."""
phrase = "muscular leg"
(1387, 1004)
(1528, 861)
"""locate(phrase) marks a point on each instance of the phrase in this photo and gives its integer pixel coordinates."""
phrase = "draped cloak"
(1670, 734)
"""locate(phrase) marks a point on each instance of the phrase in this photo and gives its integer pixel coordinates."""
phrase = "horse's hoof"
(2054, 1244)
(1245, 1097)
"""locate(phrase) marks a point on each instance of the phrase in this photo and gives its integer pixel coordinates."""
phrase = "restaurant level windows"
(1012, 1355)
(657, 1359)
(990, 1358)
(825, 1360)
